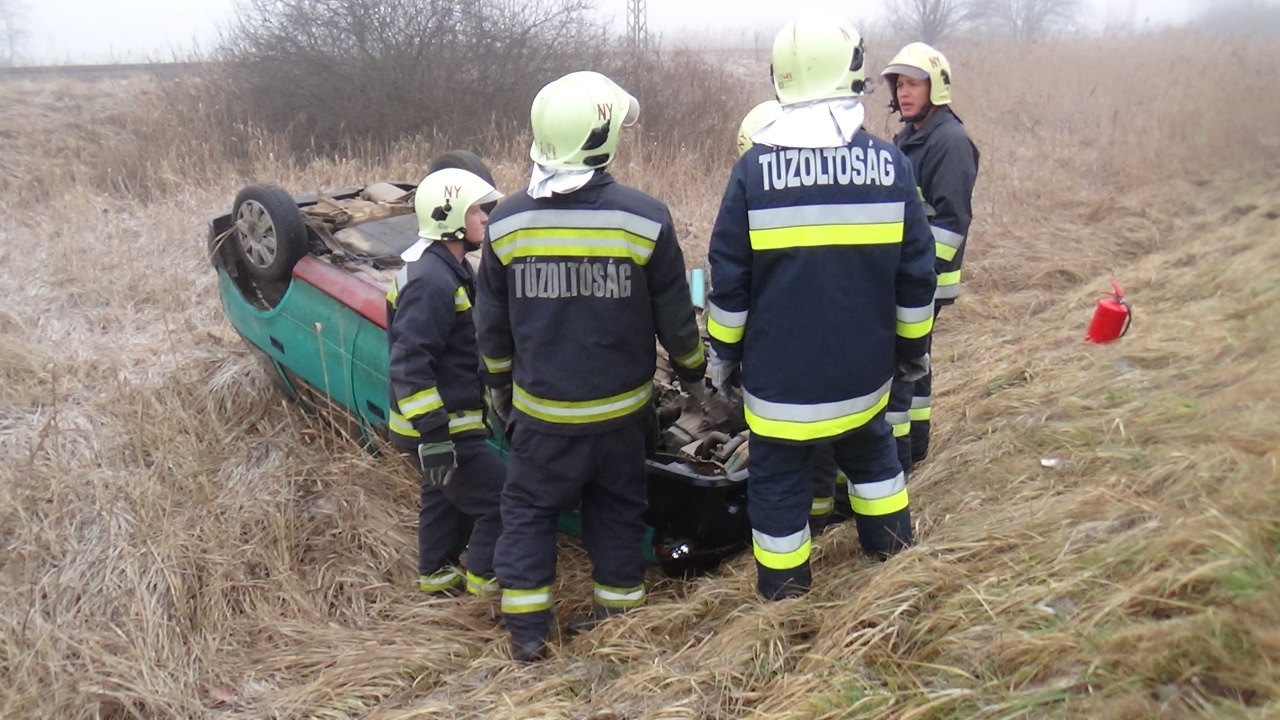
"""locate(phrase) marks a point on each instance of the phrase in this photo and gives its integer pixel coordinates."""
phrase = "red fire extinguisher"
(1111, 319)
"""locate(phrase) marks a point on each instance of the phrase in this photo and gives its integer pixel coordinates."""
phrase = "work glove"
(910, 371)
(724, 373)
(697, 393)
(438, 461)
(500, 398)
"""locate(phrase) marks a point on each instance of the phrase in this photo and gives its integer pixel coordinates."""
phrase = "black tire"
(270, 237)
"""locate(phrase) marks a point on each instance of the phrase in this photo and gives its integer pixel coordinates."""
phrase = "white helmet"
(576, 121)
(818, 56)
(921, 62)
(443, 198)
(760, 115)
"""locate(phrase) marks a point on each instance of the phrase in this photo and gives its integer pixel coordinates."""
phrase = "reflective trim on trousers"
(948, 286)
(482, 586)
(520, 602)
(900, 422)
(822, 505)
(615, 597)
(783, 553)
(879, 498)
(921, 408)
(440, 580)
(585, 411)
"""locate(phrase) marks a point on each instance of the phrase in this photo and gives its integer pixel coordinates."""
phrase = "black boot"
(586, 622)
(783, 584)
(529, 634)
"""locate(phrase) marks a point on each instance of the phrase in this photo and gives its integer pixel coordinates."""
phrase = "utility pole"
(637, 23)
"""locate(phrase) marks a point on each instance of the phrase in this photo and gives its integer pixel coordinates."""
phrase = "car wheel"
(270, 236)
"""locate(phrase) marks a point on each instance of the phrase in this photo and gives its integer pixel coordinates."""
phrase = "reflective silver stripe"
(583, 219)
(727, 318)
(947, 292)
(500, 365)
(915, 314)
(466, 420)
(631, 400)
(515, 601)
(609, 594)
(822, 506)
(897, 418)
(946, 237)
(921, 402)
(575, 246)
(809, 215)
(781, 545)
(795, 412)
(420, 403)
(879, 490)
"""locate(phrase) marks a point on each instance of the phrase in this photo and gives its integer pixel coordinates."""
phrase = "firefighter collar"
(819, 124)
(415, 250)
(545, 182)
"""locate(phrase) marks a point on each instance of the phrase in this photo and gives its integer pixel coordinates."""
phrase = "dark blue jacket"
(822, 277)
(572, 291)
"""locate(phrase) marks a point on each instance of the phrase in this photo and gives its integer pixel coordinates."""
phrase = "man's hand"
(913, 370)
(438, 461)
(501, 400)
(724, 373)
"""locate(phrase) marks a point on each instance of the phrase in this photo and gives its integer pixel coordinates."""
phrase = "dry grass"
(179, 541)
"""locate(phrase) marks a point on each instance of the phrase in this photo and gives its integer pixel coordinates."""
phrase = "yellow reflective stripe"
(900, 422)
(589, 222)
(466, 421)
(824, 235)
(692, 359)
(915, 323)
(949, 278)
(517, 602)
(945, 252)
(781, 553)
(497, 365)
(439, 581)
(585, 411)
(822, 506)
(616, 597)
(948, 285)
(725, 325)
(461, 303)
(420, 403)
(393, 293)
(401, 426)
(879, 498)
(946, 243)
(481, 586)
(799, 422)
(573, 242)
(920, 414)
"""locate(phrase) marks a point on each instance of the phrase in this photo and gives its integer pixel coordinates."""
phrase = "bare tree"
(1026, 20)
(13, 31)
(929, 21)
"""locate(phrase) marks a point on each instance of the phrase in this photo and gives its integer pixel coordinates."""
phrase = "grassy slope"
(179, 541)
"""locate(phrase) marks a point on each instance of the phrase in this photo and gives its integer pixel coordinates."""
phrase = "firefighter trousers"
(910, 413)
(603, 476)
(463, 513)
(779, 499)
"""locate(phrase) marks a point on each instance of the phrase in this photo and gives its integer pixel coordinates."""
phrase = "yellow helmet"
(921, 62)
(576, 121)
(442, 201)
(818, 56)
(760, 115)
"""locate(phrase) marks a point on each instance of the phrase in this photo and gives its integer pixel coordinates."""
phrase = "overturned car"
(304, 280)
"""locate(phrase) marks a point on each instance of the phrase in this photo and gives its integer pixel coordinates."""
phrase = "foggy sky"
(84, 31)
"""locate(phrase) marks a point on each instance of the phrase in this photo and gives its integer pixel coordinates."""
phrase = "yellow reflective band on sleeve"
(519, 602)
(481, 586)
(616, 597)
(400, 426)
(420, 403)
(826, 235)
(782, 553)
(800, 422)
(822, 505)
(498, 365)
(574, 242)
(900, 422)
(581, 412)
(466, 421)
(725, 325)
(692, 359)
(439, 581)
(461, 303)
(947, 244)
(945, 252)
(915, 323)
(881, 498)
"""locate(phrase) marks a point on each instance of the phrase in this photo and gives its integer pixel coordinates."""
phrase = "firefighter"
(577, 277)
(437, 395)
(945, 162)
(822, 276)
(829, 484)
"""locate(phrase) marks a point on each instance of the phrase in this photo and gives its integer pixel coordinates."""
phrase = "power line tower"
(637, 23)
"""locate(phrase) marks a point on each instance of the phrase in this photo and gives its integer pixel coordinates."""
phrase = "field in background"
(178, 540)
